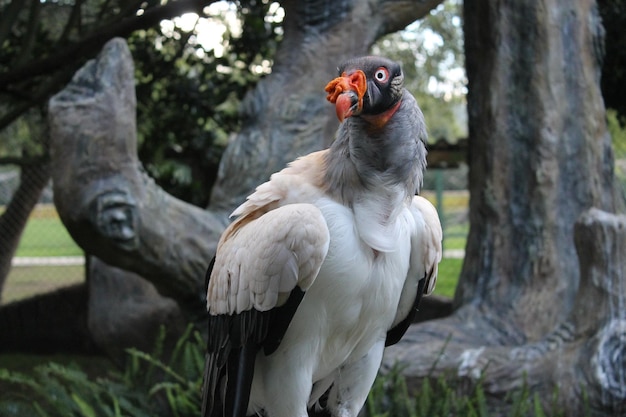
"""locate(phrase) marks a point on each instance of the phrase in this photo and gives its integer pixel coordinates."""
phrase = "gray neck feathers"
(365, 159)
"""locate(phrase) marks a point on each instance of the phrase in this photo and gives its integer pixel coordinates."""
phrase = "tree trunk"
(33, 179)
(540, 157)
(115, 212)
(124, 310)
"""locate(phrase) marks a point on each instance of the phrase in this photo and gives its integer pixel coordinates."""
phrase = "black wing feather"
(233, 343)
(395, 333)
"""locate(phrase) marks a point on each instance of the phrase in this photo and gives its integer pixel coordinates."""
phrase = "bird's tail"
(241, 368)
(215, 379)
(228, 381)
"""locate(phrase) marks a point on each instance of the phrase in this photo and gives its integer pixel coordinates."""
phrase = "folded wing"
(265, 262)
(426, 253)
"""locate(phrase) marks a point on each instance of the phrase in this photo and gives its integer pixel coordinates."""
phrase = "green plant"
(179, 381)
(390, 397)
(448, 276)
(447, 397)
(58, 390)
(149, 386)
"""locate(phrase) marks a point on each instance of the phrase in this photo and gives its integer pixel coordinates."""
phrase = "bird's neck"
(378, 121)
(372, 158)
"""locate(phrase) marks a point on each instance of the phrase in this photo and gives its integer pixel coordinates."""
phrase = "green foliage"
(24, 139)
(448, 277)
(617, 128)
(188, 93)
(390, 398)
(443, 397)
(149, 386)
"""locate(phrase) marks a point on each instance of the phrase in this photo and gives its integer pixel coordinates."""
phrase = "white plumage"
(325, 263)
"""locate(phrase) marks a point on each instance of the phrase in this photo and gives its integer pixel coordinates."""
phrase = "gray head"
(366, 86)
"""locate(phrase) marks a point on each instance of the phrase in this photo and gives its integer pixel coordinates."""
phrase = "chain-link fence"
(47, 258)
(447, 190)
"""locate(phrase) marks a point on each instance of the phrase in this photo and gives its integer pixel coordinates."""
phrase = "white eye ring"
(381, 75)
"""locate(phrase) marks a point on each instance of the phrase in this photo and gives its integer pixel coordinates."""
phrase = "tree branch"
(23, 161)
(93, 43)
(398, 14)
(72, 21)
(9, 15)
(50, 86)
(28, 41)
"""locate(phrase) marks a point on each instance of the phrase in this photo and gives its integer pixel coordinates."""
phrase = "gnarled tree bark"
(532, 307)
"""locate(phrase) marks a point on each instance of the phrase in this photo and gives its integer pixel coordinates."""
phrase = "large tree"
(544, 272)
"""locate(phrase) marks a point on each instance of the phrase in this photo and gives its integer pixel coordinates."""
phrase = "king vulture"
(326, 262)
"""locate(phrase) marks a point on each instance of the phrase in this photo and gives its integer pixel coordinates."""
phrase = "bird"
(325, 263)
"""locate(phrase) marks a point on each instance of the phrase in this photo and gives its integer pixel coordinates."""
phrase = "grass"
(449, 271)
(17, 400)
(151, 384)
(94, 366)
(455, 235)
(26, 281)
(45, 235)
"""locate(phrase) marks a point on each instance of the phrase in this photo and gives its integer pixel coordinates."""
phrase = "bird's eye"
(381, 75)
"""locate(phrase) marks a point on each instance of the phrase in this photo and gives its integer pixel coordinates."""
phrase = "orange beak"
(346, 93)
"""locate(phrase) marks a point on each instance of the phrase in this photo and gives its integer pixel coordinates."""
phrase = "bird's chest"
(360, 283)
